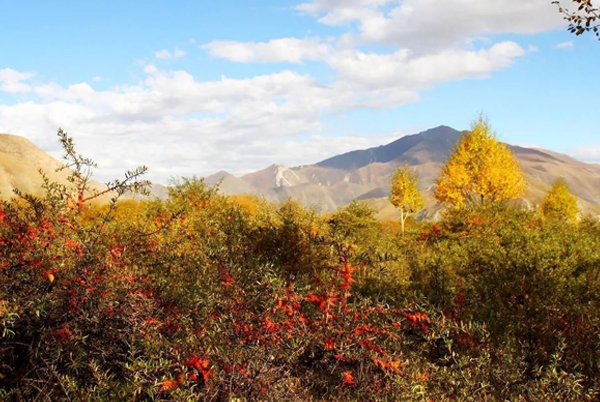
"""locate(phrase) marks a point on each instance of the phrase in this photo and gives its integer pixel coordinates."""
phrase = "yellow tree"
(480, 169)
(560, 203)
(405, 193)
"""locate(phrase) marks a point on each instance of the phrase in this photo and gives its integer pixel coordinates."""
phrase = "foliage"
(480, 169)
(586, 17)
(405, 193)
(209, 297)
(560, 203)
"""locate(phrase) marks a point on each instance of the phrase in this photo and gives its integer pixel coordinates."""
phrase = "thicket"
(229, 298)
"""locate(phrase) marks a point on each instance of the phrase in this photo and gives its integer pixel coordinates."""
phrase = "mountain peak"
(274, 176)
(435, 141)
(217, 177)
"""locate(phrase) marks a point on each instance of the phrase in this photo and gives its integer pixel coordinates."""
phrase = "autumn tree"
(480, 169)
(405, 193)
(584, 18)
(560, 203)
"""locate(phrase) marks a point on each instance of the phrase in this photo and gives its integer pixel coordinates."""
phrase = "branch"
(585, 19)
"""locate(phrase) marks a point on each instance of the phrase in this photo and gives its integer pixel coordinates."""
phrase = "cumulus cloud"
(403, 69)
(12, 81)
(291, 50)
(179, 125)
(435, 23)
(176, 124)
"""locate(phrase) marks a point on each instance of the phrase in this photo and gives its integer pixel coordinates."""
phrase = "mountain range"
(337, 181)
(365, 175)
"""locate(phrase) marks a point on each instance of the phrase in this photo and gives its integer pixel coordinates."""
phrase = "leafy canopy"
(480, 169)
(405, 193)
(560, 203)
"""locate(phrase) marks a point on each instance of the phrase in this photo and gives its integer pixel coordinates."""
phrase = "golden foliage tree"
(560, 203)
(480, 169)
(405, 193)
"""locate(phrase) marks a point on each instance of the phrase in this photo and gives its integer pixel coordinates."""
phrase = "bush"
(210, 297)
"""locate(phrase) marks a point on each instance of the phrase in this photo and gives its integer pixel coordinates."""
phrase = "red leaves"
(391, 365)
(227, 278)
(369, 345)
(329, 344)
(346, 273)
(63, 334)
(478, 220)
(315, 299)
(419, 319)
(2, 216)
(201, 365)
(459, 299)
(348, 379)
(116, 251)
(323, 302)
(271, 328)
(74, 246)
(168, 385)
(434, 232)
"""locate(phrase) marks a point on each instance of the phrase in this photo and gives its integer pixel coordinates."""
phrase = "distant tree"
(560, 203)
(480, 169)
(585, 19)
(357, 222)
(405, 193)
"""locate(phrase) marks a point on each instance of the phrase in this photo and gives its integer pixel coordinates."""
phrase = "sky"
(194, 87)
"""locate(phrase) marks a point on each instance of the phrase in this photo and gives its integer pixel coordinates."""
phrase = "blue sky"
(193, 87)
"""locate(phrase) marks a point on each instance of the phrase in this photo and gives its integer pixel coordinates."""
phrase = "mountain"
(365, 175)
(430, 145)
(337, 181)
(229, 184)
(21, 161)
(274, 176)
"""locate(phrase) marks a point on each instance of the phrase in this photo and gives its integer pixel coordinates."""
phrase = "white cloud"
(564, 45)
(162, 54)
(179, 125)
(12, 81)
(165, 54)
(318, 7)
(176, 124)
(403, 69)
(97, 79)
(588, 154)
(424, 24)
(290, 50)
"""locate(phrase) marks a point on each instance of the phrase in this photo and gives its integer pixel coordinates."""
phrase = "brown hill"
(20, 161)
(20, 165)
(337, 181)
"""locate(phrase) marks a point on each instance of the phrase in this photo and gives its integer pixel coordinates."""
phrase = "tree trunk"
(402, 219)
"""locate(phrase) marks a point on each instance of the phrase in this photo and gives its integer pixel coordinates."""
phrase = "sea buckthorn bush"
(204, 296)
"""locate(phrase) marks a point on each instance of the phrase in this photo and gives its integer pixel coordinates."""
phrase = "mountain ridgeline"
(365, 175)
(337, 181)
